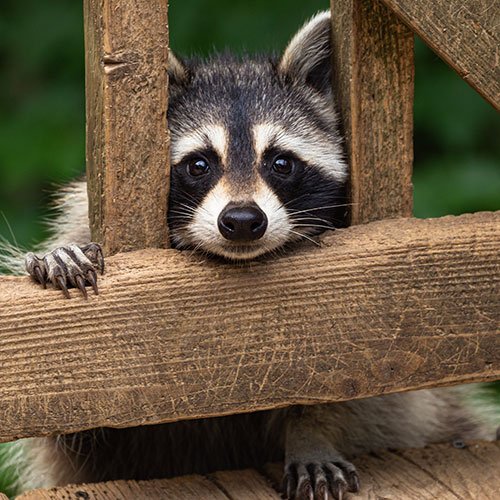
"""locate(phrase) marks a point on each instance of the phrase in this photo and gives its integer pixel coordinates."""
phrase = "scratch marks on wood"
(168, 338)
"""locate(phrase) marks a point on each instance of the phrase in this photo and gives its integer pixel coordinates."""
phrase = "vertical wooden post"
(373, 80)
(127, 137)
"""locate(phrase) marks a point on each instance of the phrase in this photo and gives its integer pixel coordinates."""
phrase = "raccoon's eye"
(198, 167)
(283, 165)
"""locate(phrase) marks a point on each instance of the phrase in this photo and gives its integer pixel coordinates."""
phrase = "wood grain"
(438, 471)
(373, 80)
(247, 484)
(388, 306)
(127, 138)
(465, 472)
(181, 488)
(465, 33)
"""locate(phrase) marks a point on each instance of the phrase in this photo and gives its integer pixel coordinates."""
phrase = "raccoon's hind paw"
(320, 480)
(68, 266)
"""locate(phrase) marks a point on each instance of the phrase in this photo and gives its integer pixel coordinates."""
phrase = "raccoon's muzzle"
(242, 223)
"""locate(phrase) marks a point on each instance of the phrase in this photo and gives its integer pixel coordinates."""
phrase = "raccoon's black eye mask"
(282, 171)
(199, 164)
(193, 177)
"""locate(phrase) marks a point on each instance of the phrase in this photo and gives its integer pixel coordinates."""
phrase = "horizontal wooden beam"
(378, 308)
(462, 32)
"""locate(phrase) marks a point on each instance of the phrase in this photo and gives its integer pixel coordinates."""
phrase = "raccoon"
(257, 164)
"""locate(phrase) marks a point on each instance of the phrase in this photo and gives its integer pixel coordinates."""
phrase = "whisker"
(310, 218)
(191, 198)
(180, 212)
(9, 227)
(302, 235)
(182, 209)
(314, 225)
(185, 218)
(187, 207)
(294, 212)
(295, 199)
(188, 196)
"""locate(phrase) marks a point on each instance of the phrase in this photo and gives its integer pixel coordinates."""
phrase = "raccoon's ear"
(178, 74)
(307, 57)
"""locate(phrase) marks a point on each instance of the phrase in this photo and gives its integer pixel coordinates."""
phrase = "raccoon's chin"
(240, 252)
(216, 246)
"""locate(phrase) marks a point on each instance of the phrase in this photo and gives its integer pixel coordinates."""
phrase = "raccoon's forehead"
(242, 109)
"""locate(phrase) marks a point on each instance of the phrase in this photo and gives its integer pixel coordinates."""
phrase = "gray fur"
(70, 225)
(308, 434)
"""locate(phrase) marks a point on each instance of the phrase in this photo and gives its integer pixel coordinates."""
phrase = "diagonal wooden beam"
(465, 33)
(378, 308)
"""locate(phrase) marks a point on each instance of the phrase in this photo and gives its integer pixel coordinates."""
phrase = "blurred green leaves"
(457, 146)
(202, 26)
(450, 116)
(42, 121)
(456, 184)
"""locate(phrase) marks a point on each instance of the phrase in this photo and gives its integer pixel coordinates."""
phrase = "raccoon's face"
(255, 154)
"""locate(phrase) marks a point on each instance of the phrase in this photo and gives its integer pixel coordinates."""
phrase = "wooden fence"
(387, 306)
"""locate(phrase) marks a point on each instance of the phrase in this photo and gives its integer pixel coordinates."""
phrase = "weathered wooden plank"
(180, 488)
(411, 475)
(464, 33)
(471, 472)
(388, 306)
(224, 485)
(399, 478)
(127, 137)
(373, 81)
(247, 484)
(392, 475)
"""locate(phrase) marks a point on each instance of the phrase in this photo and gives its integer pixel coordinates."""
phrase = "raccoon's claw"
(40, 276)
(60, 282)
(36, 268)
(320, 481)
(92, 279)
(80, 283)
(68, 266)
(93, 251)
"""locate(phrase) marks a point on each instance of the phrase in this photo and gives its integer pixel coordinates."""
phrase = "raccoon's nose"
(242, 223)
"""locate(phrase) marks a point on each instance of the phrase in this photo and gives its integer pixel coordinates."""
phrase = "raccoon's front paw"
(320, 480)
(68, 266)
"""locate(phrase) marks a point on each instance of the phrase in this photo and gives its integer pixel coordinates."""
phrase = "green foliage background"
(42, 128)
